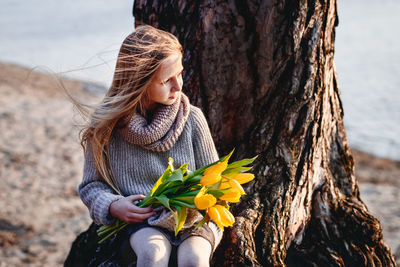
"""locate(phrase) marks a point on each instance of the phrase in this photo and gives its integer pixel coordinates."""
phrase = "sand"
(41, 166)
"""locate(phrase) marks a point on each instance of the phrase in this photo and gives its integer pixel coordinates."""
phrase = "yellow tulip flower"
(235, 184)
(232, 195)
(204, 201)
(209, 179)
(216, 168)
(243, 178)
(214, 215)
(224, 185)
(227, 218)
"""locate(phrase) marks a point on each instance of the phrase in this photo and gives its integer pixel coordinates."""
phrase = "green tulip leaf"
(182, 214)
(184, 168)
(164, 201)
(160, 180)
(218, 193)
(205, 219)
(187, 199)
(189, 193)
(176, 175)
(178, 203)
(230, 173)
(192, 179)
(240, 163)
(171, 188)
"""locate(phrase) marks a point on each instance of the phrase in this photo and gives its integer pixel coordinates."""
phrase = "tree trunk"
(263, 72)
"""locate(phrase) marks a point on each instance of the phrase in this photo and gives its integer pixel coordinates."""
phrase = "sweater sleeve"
(203, 144)
(96, 194)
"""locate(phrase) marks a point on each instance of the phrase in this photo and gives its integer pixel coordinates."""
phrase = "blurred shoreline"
(376, 170)
(41, 165)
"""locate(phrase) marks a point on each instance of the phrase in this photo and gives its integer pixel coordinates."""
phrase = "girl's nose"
(176, 86)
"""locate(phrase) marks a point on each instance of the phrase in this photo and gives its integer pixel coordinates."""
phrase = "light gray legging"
(152, 248)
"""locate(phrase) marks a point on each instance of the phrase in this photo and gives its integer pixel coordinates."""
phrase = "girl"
(143, 120)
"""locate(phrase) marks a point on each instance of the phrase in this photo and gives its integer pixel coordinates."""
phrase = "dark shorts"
(203, 231)
(116, 251)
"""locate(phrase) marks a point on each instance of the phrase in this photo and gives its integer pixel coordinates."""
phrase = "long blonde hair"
(140, 56)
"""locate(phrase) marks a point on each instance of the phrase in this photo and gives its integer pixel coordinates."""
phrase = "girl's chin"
(168, 102)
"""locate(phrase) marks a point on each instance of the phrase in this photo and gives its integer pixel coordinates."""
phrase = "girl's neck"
(150, 110)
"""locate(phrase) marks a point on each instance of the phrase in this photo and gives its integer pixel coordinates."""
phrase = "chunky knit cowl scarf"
(164, 129)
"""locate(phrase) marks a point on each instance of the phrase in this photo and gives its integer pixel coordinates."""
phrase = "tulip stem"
(113, 232)
(104, 229)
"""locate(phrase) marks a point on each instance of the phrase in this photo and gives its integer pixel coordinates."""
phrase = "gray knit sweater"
(136, 167)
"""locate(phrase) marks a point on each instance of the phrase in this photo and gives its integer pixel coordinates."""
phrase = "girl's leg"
(194, 251)
(151, 247)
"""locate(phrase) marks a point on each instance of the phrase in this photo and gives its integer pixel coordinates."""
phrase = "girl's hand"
(126, 211)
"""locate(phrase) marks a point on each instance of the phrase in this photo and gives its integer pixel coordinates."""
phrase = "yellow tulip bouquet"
(208, 190)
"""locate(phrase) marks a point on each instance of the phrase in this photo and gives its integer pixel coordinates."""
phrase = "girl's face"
(167, 82)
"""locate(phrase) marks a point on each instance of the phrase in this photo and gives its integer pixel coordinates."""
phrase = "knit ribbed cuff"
(100, 209)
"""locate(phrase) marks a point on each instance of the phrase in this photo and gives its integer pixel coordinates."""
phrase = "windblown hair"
(140, 56)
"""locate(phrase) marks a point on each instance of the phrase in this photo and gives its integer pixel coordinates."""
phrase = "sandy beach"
(41, 166)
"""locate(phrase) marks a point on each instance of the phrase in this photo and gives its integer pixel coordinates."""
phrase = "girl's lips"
(175, 96)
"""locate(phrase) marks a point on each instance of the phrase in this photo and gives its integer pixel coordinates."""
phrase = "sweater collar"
(161, 133)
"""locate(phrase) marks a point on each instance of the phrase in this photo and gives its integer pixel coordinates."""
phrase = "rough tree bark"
(263, 72)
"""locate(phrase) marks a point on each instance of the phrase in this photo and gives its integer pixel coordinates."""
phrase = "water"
(81, 39)
(367, 58)
(77, 38)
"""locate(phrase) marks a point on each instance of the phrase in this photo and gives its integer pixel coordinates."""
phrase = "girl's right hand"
(126, 211)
